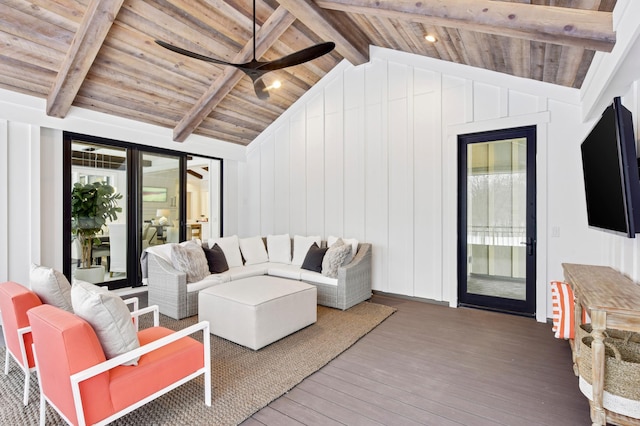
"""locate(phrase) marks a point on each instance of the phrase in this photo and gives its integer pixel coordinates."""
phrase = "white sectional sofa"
(168, 287)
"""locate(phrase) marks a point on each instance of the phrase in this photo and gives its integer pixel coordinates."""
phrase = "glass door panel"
(496, 215)
(497, 224)
(203, 186)
(160, 199)
(98, 241)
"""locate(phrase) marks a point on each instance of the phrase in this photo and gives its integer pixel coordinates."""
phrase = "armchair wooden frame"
(102, 367)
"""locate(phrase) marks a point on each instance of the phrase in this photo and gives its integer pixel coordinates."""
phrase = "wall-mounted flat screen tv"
(610, 167)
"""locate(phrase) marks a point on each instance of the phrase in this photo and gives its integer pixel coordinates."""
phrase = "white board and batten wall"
(371, 153)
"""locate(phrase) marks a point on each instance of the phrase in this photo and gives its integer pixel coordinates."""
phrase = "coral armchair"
(86, 388)
(15, 301)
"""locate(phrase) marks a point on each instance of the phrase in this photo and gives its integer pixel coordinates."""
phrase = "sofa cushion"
(284, 271)
(51, 286)
(190, 259)
(231, 248)
(248, 271)
(108, 315)
(335, 257)
(174, 361)
(313, 259)
(301, 247)
(279, 248)
(215, 259)
(253, 250)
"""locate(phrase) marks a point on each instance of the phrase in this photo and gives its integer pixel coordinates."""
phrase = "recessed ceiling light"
(430, 38)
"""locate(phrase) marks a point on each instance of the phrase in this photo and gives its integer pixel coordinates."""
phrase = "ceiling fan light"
(276, 84)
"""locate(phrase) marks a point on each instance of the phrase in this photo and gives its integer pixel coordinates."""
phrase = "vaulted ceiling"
(101, 54)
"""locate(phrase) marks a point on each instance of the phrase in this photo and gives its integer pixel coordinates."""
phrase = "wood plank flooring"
(433, 365)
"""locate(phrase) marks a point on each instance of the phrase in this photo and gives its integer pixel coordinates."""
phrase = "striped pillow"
(563, 310)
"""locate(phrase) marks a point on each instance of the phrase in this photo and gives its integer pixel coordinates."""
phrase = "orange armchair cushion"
(15, 301)
(155, 370)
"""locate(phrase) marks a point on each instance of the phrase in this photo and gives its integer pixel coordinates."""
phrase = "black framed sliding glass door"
(157, 197)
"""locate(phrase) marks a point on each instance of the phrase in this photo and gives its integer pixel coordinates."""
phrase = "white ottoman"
(257, 311)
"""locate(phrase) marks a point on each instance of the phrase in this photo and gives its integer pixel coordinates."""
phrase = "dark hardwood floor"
(433, 365)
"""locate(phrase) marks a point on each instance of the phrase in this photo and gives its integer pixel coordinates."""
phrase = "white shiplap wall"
(371, 153)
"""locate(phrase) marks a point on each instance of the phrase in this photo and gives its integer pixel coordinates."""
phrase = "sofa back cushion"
(301, 247)
(253, 250)
(279, 248)
(231, 248)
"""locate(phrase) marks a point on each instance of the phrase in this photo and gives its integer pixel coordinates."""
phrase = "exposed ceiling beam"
(194, 174)
(587, 29)
(84, 48)
(317, 21)
(266, 36)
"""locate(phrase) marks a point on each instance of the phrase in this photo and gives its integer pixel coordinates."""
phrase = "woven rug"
(243, 380)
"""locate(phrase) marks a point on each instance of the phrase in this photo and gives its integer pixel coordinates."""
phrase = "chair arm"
(153, 308)
(23, 349)
(142, 350)
(134, 302)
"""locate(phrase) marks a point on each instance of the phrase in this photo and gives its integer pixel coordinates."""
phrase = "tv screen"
(610, 168)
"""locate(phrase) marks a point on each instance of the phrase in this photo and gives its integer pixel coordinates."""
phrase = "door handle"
(529, 243)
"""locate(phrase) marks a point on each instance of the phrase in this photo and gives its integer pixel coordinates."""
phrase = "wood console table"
(613, 301)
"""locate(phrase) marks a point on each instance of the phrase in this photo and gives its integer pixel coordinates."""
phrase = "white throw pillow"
(230, 248)
(279, 248)
(348, 241)
(51, 286)
(334, 258)
(253, 250)
(301, 247)
(108, 315)
(190, 259)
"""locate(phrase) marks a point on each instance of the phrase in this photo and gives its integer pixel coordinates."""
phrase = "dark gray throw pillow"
(216, 259)
(313, 259)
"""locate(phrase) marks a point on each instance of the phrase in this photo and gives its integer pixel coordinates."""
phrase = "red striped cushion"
(563, 310)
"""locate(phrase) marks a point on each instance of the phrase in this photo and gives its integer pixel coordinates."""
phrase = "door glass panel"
(99, 234)
(203, 198)
(496, 218)
(160, 199)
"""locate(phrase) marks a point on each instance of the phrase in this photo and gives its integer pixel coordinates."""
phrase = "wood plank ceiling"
(101, 55)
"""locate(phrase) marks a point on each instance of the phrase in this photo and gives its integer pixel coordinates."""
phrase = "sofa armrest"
(354, 279)
(167, 286)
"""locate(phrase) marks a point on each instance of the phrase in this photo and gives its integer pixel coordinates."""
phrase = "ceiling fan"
(257, 69)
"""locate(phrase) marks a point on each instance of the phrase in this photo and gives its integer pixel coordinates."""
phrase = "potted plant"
(92, 205)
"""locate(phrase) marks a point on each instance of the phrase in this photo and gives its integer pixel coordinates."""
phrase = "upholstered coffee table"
(257, 311)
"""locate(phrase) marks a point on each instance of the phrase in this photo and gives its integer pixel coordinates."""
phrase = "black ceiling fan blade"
(261, 90)
(195, 55)
(300, 57)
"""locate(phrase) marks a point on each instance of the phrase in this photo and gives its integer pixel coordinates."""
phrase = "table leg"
(598, 321)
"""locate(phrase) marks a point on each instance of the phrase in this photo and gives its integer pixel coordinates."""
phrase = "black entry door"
(497, 220)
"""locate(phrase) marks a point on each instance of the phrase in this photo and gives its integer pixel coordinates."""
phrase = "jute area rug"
(243, 380)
